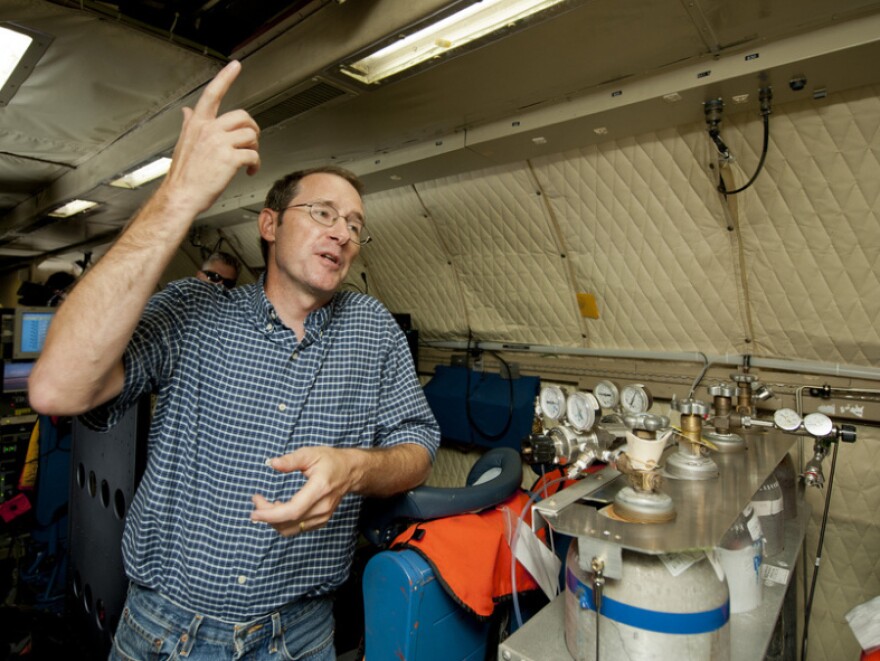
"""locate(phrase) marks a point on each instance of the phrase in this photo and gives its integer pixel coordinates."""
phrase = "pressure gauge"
(580, 410)
(607, 394)
(818, 425)
(636, 398)
(787, 419)
(552, 401)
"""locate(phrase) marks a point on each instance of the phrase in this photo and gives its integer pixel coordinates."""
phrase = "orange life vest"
(470, 554)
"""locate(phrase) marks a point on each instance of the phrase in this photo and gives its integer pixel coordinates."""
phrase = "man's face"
(222, 269)
(307, 255)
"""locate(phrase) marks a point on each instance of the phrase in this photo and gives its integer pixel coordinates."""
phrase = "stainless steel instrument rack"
(705, 510)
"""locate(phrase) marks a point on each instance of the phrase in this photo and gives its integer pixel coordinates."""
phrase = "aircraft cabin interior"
(629, 253)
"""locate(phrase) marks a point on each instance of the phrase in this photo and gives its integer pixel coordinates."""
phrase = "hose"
(467, 399)
(723, 189)
(514, 537)
(809, 604)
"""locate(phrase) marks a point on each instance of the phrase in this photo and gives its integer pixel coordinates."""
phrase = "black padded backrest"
(383, 518)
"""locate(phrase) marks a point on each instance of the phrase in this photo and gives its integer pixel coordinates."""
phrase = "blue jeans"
(152, 628)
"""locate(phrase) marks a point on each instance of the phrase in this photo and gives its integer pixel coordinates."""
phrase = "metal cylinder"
(692, 430)
(744, 400)
(648, 613)
(722, 405)
(741, 555)
(769, 506)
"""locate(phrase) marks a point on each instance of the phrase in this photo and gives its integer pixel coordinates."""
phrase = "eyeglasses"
(216, 278)
(325, 215)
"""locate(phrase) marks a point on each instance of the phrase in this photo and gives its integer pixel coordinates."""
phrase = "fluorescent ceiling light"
(471, 23)
(20, 49)
(13, 46)
(72, 208)
(144, 174)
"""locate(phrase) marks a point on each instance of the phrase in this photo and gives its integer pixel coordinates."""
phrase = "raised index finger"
(209, 103)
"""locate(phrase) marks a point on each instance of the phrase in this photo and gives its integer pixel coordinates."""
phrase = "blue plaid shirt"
(236, 387)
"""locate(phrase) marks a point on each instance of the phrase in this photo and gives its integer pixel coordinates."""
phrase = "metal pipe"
(800, 366)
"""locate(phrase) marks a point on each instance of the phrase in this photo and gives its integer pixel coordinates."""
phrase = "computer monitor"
(15, 376)
(31, 326)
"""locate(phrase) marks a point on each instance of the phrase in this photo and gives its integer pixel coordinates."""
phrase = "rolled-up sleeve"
(150, 356)
(404, 414)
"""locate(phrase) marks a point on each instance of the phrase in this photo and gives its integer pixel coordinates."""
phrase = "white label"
(538, 560)
(754, 527)
(767, 507)
(775, 574)
(679, 563)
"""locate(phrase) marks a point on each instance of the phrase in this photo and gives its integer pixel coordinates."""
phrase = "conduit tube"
(735, 359)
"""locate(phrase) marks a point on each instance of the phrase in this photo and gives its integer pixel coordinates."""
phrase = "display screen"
(31, 326)
(15, 375)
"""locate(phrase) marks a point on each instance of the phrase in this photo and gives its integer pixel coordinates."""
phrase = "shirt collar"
(267, 318)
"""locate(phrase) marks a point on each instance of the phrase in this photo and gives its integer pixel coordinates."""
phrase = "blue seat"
(408, 615)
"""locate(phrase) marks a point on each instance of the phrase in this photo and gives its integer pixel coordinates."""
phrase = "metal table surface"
(705, 509)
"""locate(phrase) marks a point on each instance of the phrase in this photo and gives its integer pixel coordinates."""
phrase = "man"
(280, 405)
(220, 268)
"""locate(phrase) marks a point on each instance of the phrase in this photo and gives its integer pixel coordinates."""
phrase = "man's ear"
(267, 222)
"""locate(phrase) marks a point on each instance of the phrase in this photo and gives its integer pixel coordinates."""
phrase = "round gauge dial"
(787, 419)
(552, 402)
(818, 424)
(635, 398)
(580, 410)
(607, 394)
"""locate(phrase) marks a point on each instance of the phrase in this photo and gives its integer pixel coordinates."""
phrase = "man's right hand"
(81, 368)
(211, 148)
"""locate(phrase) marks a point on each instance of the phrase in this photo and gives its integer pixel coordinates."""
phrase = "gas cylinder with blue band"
(662, 607)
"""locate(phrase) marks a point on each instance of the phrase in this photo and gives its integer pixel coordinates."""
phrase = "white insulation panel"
(639, 225)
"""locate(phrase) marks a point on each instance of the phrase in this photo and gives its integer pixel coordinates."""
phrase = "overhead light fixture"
(20, 49)
(72, 208)
(443, 36)
(144, 174)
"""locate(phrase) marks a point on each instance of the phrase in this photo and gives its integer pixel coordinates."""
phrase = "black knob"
(847, 433)
(538, 449)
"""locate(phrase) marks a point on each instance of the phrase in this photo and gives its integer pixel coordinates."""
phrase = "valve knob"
(722, 390)
(691, 407)
(538, 449)
(847, 433)
(646, 421)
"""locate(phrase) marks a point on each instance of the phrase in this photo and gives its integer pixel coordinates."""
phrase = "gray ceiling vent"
(297, 101)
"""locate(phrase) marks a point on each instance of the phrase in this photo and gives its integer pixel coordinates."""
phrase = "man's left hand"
(329, 473)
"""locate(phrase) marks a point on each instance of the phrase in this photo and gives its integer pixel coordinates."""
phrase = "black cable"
(467, 399)
(721, 187)
(809, 606)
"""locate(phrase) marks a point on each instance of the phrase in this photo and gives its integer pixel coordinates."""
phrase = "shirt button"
(242, 580)
(282, 407)
(294, 355)
(269, 327)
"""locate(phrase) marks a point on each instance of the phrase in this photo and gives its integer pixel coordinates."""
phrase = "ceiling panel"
(108, 92)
